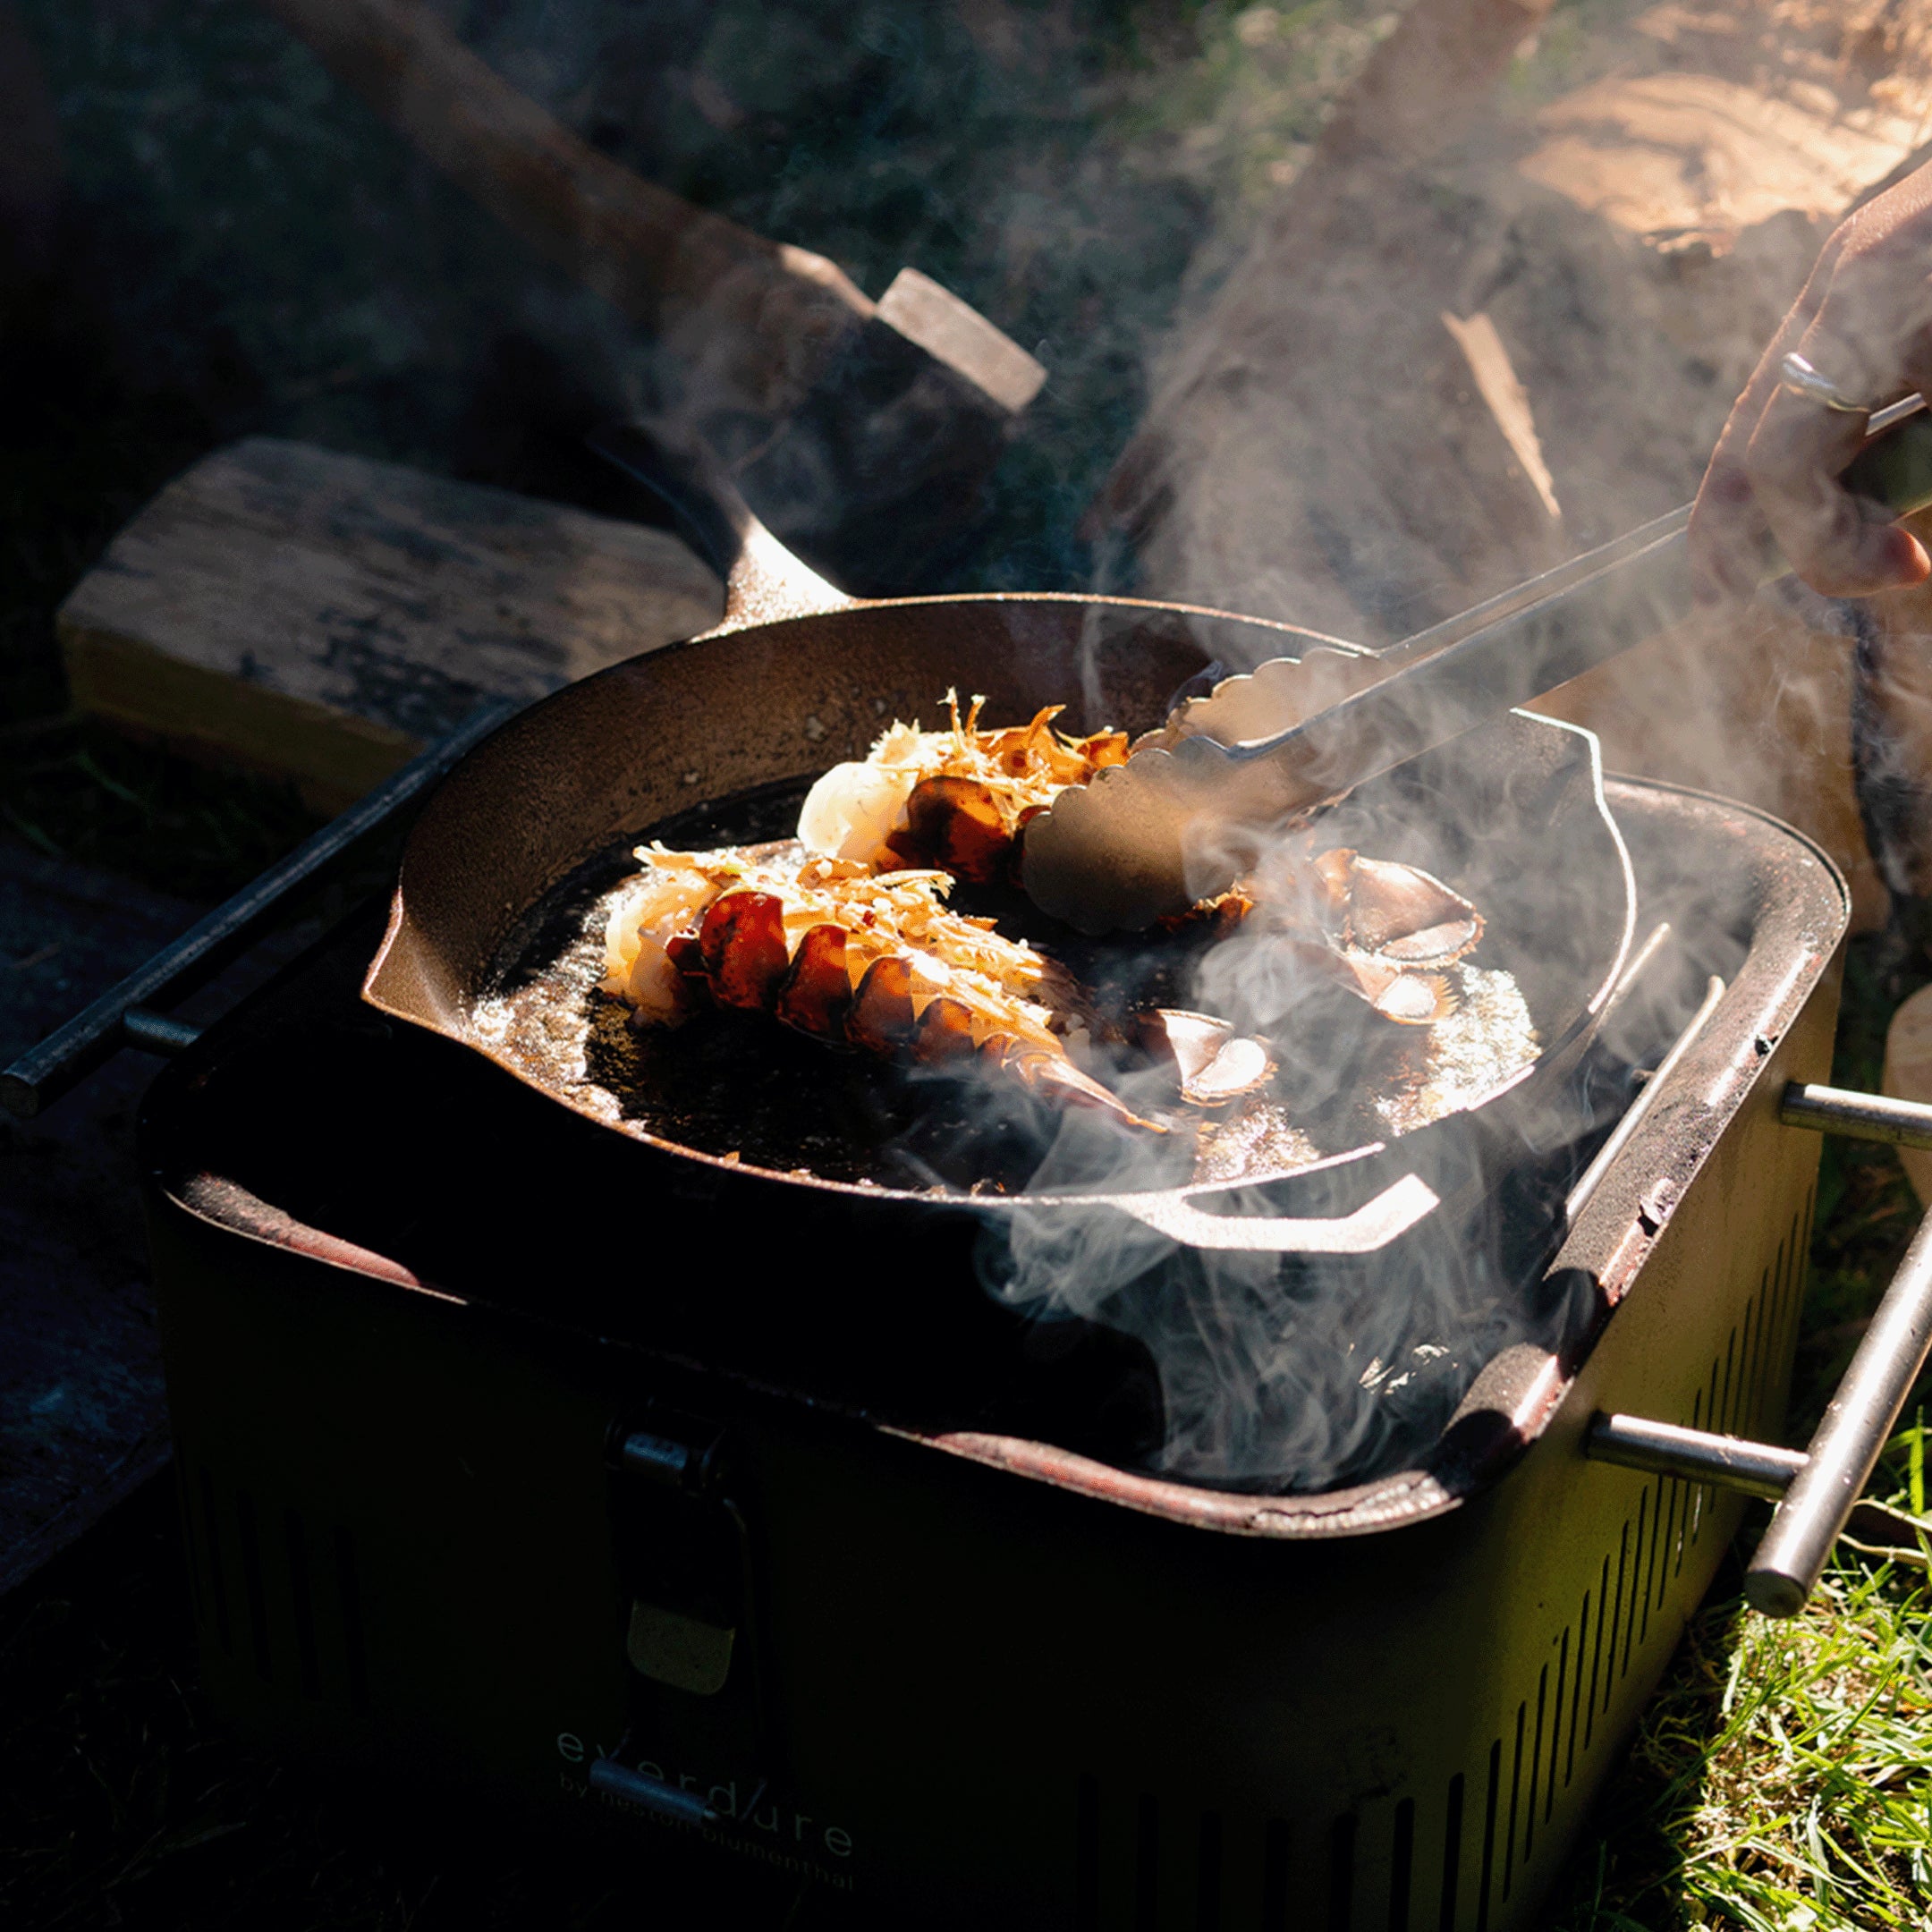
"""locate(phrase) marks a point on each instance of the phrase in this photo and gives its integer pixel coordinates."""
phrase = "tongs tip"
(1108, 856)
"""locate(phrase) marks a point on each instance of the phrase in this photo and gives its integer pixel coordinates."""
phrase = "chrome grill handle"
(1857, 1116)
(1816, 1487)
(1846, 1444)
(1665, 1449)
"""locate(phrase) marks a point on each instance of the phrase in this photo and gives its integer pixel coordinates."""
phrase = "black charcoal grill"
(523, 1465)
(457, 1499)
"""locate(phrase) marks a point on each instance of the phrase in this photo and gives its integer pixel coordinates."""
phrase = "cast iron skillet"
(716, 738)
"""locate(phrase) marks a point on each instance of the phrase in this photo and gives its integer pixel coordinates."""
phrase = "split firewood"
(780, 357)
(321, 617)
(1907, 1076)
(1459, 349)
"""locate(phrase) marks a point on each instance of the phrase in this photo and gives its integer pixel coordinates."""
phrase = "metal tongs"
(1200, 799)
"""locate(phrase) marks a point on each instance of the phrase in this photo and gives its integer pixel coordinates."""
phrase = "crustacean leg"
(1054, 1077)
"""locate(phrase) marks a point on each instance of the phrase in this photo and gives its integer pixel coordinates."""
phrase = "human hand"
(1864, 322)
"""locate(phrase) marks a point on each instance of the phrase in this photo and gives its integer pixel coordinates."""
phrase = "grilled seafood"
(844, 934)
(956, 799)
(958, 802)
(1211, 1062)
(1379, 928)
(872, 960)
(1387, 931)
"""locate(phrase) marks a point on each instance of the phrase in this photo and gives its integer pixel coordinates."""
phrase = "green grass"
(1781, 1780)
(1784, 1779)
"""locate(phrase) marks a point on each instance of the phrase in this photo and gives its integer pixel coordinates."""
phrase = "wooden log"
(1617, 258)
(760, 317)
(1907, 1076)
(1319, 438)
(318, 616)
(755, 324)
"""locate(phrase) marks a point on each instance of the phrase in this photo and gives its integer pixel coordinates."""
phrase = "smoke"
(1285, 1371)
(1356, 1238)
(1471, 335)
(1458, 346)
(1435, 336)
(1442, 360)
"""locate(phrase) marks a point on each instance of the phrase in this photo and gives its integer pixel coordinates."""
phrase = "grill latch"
(684, 1558)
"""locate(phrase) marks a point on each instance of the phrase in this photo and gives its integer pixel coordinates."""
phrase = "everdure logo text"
(791, 1828)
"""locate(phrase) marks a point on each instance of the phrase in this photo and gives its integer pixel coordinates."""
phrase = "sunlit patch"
(1487, 1037)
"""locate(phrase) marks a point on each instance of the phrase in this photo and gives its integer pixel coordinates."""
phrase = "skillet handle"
(1390, 1215)
(763, 580)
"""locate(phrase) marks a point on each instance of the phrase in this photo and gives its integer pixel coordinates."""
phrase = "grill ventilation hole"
(1208, 1875)
(1402, 1866)
(1488, 1838)
(1553, 1732)
(1341, 1873)
(1137, 1892)
(1613, 1623)
(297, 1591)
(1636, 1579)
(1451, 1858)
(1536, 1764)
(1146, 1864)
(1274, 1878)
(1562, 1680)
(1616, 1613)
(1515, 1787)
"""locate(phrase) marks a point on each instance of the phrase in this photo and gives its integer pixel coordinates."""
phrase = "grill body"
(974, 1668)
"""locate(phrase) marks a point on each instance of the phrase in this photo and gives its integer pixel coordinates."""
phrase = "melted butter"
(1257, 1137)
(550, 1026)
(1421, 1074)
(1488, 1036)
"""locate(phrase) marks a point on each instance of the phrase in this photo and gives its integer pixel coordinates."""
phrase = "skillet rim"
(1198, 1195)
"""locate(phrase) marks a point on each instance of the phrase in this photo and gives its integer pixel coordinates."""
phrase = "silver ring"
(1801, 378)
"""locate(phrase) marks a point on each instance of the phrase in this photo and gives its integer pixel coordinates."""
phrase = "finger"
(1840, 544)
(1729, 536)
(1870, 330)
